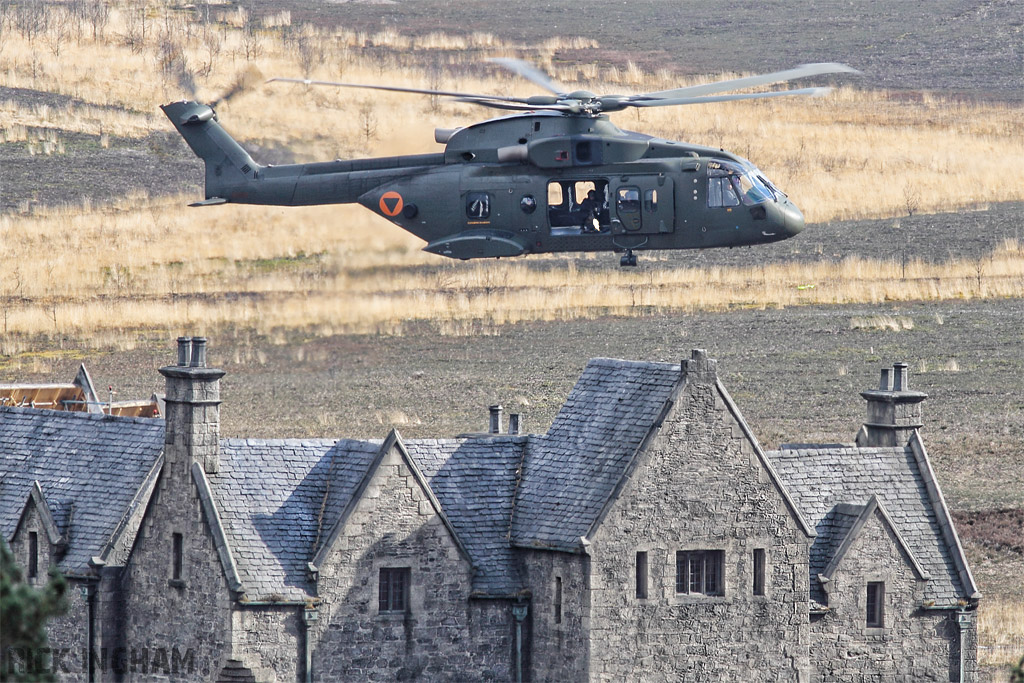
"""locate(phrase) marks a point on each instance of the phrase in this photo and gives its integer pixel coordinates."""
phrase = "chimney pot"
(513, 423)
(900, 381)
(894, 411)
(198, 352)
(184, 351)
(496, 419)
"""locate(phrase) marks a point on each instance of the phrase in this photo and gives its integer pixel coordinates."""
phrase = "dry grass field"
(84, 277)
(134, 264)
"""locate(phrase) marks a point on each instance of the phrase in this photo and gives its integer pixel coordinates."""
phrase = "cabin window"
(558, 599)
(578, 206)
(651, 201)
(641, 575)
(528, 203)
(876, 604)
(699, 572)
(33, 554)
(628, 200)
(759, 571)
(478, 205)
(393, 589)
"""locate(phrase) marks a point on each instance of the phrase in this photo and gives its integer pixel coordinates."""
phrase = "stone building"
(645, 536)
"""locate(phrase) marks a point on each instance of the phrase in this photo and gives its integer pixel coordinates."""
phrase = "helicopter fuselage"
(540, 182)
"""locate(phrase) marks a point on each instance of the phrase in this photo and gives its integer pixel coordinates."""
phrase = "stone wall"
(559, 647)
(65, 633)
(699, 486)
(67, 636)
(31, 522)
(270, 641)
(395, 525)
(177, 627)
(913, 645)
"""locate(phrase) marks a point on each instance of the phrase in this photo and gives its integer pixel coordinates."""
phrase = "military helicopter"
(556, 176)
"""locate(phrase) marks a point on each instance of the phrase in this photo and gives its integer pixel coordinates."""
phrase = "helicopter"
(556, 175)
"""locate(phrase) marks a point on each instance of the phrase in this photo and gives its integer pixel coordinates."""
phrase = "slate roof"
(570, 472)
(820, 478)
(93, 464)
(831, 530)
(270, 495)
(278, 500)
(474, 481)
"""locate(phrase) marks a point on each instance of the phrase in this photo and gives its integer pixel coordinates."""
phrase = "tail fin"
(228, 167)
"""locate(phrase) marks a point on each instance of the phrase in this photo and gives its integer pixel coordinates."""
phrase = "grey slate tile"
(96, 463)
(820, 479)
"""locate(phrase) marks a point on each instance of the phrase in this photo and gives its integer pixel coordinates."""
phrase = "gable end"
(393, 441)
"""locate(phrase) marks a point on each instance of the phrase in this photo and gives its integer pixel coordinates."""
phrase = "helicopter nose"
(793, 219)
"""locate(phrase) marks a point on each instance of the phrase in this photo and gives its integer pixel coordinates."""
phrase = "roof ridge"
(625, 362)
(319, 441)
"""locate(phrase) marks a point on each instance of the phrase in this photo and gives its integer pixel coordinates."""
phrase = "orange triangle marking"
(390, 203)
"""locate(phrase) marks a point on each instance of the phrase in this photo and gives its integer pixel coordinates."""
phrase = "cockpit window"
(730, 184)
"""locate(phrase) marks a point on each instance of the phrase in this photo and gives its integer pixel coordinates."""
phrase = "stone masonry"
(177, 596)
(699, 485)
(646, 536)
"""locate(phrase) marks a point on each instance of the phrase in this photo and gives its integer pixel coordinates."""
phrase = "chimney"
(496, 411)
(894, 411)
(514, 426)
(192, 414)
(699, 369)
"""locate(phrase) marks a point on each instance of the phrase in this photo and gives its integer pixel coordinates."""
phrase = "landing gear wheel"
(628, 259)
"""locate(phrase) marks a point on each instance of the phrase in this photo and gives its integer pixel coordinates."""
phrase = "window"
(528, 204)
(628, 200)
(33, 554)
(394, 589)
(759, 571)
(558, 599)
(651, 201)
(729, 184)
(721, 192)
(478, 205)
(876, 604)
(178, 552)
(699, 572)
(641, 575)
(574, 205)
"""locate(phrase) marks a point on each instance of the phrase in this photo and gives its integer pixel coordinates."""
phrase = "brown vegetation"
(105, 273)
(124, 269)
(996, 529)
(137, 265)
(851, 154)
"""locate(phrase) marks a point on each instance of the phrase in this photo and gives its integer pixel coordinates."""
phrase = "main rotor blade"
(529, 72)
(392, 88)
(514, 106)
(751, 81)
(670, 102)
